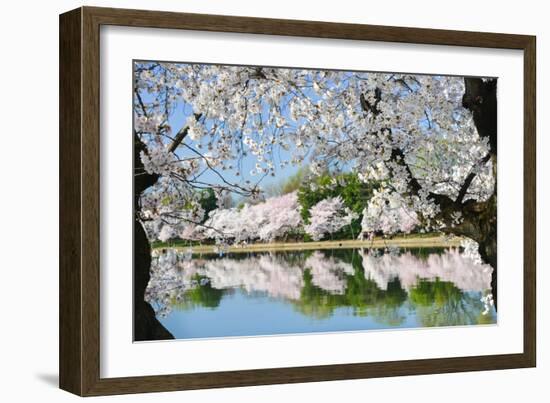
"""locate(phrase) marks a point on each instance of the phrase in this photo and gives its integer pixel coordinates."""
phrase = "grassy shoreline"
(410, 241)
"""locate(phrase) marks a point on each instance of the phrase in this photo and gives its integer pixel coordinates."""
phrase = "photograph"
(251, 199)
(286, 200)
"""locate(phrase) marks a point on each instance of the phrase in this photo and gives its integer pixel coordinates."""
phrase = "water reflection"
(309, 291)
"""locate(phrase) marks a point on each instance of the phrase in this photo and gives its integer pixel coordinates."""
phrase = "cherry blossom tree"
(267, 221)
(283, 217)
(327, 217)
(429, 141)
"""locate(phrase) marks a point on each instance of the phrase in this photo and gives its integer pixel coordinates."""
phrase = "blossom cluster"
(266, 221)
(387, 212)
(328, 216)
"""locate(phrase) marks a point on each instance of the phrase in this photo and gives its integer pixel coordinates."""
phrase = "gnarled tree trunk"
(480, 97)
(146, 325)
(480, 225)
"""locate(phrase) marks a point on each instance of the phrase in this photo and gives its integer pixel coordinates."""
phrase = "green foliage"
(204, 295)
(315, 301)
(487, 319)
(427, 293)
(441, 303)
(208, 202)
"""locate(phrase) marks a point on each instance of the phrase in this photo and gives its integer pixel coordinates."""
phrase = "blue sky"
(178, 119)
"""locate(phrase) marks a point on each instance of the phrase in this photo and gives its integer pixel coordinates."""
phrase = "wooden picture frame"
(79, 279)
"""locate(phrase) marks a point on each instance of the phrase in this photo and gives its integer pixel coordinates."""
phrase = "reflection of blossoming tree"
(429, 141)
(452, 266)
(318, 283)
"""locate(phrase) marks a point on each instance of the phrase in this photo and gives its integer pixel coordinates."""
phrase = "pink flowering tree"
(328, 217)
(275, 218)
(283, 217)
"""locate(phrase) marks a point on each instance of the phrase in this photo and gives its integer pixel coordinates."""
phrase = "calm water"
(247, 294)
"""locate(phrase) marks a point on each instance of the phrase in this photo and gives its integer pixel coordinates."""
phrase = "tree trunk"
(480, 97)
(488, 252)
(487, 240)
(488, 244)
(146, 325)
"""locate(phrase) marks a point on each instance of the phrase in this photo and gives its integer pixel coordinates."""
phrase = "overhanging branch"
(470, 178)
(180, 136)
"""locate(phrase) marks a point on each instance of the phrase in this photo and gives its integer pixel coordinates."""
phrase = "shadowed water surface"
(249, 294)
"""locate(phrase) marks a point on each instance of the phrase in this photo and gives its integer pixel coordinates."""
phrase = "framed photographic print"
(250, 201)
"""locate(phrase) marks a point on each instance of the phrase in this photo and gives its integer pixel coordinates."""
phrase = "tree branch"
(181, 135)
(398, 157)
(469, 179)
